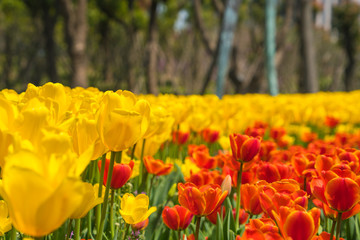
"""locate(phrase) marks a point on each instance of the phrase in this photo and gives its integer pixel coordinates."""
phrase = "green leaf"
(226, 227)
(219, 228)
(165, 235)
(231, 235)
(228, 206)
(357, 228)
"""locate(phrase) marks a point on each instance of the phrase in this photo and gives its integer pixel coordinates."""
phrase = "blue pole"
(270, 42)
(226, 38)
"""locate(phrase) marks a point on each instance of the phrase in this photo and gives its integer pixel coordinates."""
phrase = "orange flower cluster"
(279, 180)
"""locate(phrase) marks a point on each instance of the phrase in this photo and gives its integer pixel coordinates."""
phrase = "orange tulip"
(324, 236)
(243, 147)
(243, 215)
(197, 148)
(204, 177)
(203, 160)
(201, 201)
(277, 133)
(177, 217)
(157, 167)
(324, 163)
(340, 193)
(213, 216)
(121, 173)
(266, 148)
(308, 137)
(250, 199)
(279, 194)
(261, 229)
(300, 162)
(297, 224)
(268, 172)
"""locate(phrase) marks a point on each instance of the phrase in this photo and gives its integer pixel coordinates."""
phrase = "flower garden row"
(85, 164)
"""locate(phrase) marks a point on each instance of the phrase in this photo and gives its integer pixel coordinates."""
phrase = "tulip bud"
(226, 184)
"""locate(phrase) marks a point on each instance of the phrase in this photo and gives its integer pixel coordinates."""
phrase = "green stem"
(332, 230)
(69, 229)
(13, 234)
(133, 152)
(141, 170)
(77, 229)
(338, 228)
(89, 233)
(198, 220)
(126, 231)
(238, 196)
(151, 183)
(112, 224)
(179, 235)
(106, 196)
(325, 223)
(101, 182)
(93, 171)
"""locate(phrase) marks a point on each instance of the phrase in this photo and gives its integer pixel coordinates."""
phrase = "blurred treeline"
(169, 46)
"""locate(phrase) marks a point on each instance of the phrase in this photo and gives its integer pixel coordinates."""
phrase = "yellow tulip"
(5, 222)
(34, 116)
(90, 200)
(6, 140)
(160, 122)
(135, 209)
(84, 135)
(57, 97)
(40, 194)
(151, 147)
(122, 120)
(8, 113)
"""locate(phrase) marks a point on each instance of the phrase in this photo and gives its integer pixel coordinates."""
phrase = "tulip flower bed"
(85, 164)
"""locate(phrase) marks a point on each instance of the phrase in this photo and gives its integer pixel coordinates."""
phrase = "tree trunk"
(76, 33)
(350, 66)
(104, 29)
(308, 81)
(49, 22)
(152, 83)
(8, 59)
(200, 26)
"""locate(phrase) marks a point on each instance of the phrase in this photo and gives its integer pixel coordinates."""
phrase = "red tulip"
(244, 148)
(177, 217)
(121, 173)
(180, 137)
(331, 121)
(140, 226)
(210, 135)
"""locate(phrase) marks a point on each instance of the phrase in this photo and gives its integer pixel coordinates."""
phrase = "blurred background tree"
(171, 46)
